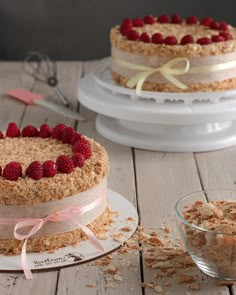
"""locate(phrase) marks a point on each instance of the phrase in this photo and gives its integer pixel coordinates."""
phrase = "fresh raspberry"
(0, 170)
(191, 20)
(132, 35)
(215, 25)
(125, 30)
(149, 19)
(144, 38)
(163, 19)
(170, 40)
(77, 136)
(157, 38)
(187, 39)
(57, 131)
(65, 164)
(49, 168)
(67, 135)
(204, 41)
(30, 131)
(78, 160)
(127, 22)
(138, 22)
(12, 130)
(176, 19)
(217, 38)
(82, 146)
(223, 26)
(206, 21)
(12, 171)
(35, 170)
(226, 35)
(1, 135)
(45, 131)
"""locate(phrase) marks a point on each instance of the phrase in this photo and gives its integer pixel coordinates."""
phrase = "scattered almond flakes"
(158, 289)
(147, 285)
(103, 261)
(112, 269)
(111, 286)
(130, 219)
(126, 229)
(184, 278)
(167, 230)
(102, 236)
(119, 238)
(154, 241)
(194, 286)
(118, 278)
(90, 285)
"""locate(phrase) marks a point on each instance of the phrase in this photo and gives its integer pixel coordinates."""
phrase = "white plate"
(85, 251)
(102, 76)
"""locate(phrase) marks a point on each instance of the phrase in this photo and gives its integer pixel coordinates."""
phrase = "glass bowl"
(213, 251)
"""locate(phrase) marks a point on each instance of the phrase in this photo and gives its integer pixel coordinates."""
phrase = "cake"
(170, 54)
(45, 171)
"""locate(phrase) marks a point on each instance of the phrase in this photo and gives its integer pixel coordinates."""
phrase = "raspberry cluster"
(81, 149)
(127, 29)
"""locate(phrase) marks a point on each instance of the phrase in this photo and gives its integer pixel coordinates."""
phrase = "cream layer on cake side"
(219, 57)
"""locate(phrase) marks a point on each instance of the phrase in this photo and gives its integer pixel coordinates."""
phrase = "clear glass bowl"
(213, 252)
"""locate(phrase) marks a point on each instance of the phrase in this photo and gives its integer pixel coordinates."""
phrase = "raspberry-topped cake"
(52, 178)
(171, 54)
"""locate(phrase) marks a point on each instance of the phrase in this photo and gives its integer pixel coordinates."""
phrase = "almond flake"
(158, 289)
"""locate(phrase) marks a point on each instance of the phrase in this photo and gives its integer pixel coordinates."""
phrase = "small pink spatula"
(32, 98)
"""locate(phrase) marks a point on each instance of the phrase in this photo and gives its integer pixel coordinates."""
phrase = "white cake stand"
(171, 126)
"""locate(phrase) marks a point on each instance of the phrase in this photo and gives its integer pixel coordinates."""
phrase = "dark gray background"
(79, 29)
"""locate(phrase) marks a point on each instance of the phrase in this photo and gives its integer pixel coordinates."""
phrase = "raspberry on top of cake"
(40, 165)
(151, 41)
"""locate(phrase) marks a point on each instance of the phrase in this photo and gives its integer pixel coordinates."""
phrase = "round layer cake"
(46, 170)
(174, 55)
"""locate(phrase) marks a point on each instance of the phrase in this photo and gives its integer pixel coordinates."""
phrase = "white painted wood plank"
(13, 284)
(161, 179)
(10, 108)
(121, 179)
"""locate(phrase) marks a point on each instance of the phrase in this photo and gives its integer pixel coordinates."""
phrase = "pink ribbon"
(67, 214)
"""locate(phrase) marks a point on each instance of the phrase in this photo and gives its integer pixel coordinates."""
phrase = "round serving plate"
(171, 126)
(102, 76)
(85, 251)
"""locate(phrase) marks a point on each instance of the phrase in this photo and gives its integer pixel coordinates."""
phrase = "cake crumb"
(119, 238)
(90, 285)
(130, 219)
(126, 229)
(118, 278)
(184, 278)
(194, 286)
(158, 289)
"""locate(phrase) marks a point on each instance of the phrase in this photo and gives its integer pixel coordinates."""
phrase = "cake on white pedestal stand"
(175, 122)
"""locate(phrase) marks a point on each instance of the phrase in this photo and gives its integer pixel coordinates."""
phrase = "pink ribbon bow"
(67, 214)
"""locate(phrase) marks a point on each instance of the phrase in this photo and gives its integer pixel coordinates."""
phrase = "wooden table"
(152, 181)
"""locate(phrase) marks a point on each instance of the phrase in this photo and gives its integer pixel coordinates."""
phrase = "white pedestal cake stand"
(180, 124)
